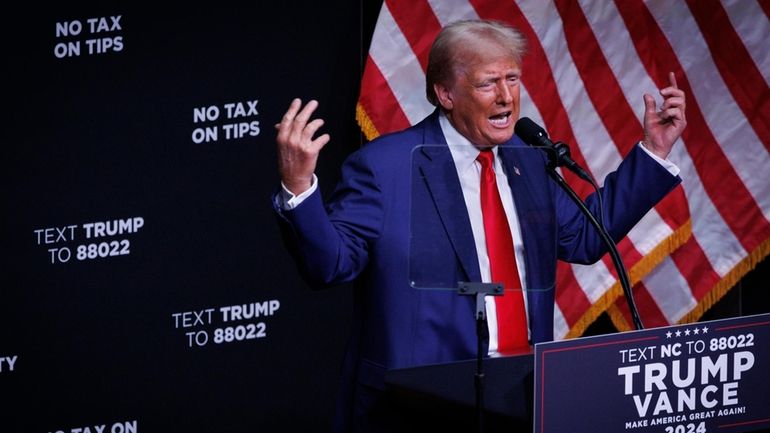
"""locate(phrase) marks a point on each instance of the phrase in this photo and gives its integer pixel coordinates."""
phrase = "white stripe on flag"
(747, 18)
(560, 326)
(394, 57)
(594, 279)
(649, 232)
(718, 242)
(670, 290)
(448, 11)
(618, 48)
(528, 108)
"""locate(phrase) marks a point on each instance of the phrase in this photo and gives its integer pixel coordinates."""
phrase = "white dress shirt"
(469, 171)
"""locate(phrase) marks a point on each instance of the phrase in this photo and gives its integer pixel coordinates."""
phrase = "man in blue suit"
(362, 233)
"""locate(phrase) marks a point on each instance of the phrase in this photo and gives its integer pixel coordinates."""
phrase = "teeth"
(500, 119)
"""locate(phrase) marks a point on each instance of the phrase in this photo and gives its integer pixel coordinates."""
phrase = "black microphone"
(558, 155)
(558, 152)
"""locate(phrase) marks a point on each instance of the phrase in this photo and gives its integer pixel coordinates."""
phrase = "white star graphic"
(686, 332)
(678, 333)
(696, 331)
(668, 334)
(705, 329)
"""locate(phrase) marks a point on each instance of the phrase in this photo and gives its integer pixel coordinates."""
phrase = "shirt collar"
(464, 153)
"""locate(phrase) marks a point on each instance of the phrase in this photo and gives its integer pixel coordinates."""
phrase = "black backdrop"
(130, 237)
(126, 235)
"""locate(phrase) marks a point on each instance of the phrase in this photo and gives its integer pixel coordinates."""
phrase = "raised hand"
(662, 128)
(297, 149)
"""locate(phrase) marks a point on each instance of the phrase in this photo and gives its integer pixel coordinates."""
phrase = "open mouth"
(502, 119)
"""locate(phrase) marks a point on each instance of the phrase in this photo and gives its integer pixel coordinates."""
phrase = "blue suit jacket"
(398, 199)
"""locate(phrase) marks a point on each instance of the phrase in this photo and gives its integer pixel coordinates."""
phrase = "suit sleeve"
(331, 243)
(628, 194)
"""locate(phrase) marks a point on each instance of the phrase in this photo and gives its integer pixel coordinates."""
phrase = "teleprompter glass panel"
(445, 198)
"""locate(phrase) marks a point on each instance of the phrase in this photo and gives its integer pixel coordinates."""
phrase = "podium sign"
(697, 378)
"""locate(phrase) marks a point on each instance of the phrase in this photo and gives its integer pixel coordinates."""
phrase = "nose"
(504, 95)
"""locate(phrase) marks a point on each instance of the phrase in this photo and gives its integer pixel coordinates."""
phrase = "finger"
(674, 101)
(292, 111)
(311, 129)
(670, 114)
(672, 80)
(649, 103)
(284, 127)
(321, 141)
(303, 116)
(283, 132)
(299, 124)
(671, 91)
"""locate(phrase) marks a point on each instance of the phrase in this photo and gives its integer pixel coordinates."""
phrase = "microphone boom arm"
(556, 158)
(559, 156)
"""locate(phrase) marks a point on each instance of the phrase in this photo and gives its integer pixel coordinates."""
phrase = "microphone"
(558, 152)
(558, 155)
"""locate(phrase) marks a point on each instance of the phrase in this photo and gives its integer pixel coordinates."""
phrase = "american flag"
(588, 63)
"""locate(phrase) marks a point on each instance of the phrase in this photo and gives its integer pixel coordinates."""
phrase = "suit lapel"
(436, 166)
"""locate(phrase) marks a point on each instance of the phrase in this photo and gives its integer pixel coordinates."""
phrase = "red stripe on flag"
(417, 23)
(649, 313)
(722, 184)
(378, 101)
(629, 254)
(628, 251)
(677, 211)
(696, 268)
(572, 301)
(735, 65)
(765, 5)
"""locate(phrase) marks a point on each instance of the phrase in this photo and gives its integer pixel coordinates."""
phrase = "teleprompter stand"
(480, 290)
(440, 397)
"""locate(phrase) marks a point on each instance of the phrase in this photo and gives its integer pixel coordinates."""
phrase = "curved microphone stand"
(556, 158)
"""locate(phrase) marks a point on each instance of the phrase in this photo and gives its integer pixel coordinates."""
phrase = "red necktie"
(511, 317)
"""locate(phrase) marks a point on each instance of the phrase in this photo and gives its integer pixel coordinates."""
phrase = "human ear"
(444, 96)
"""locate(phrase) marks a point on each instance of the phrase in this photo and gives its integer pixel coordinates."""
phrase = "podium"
(441, 397)
(704, 376)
